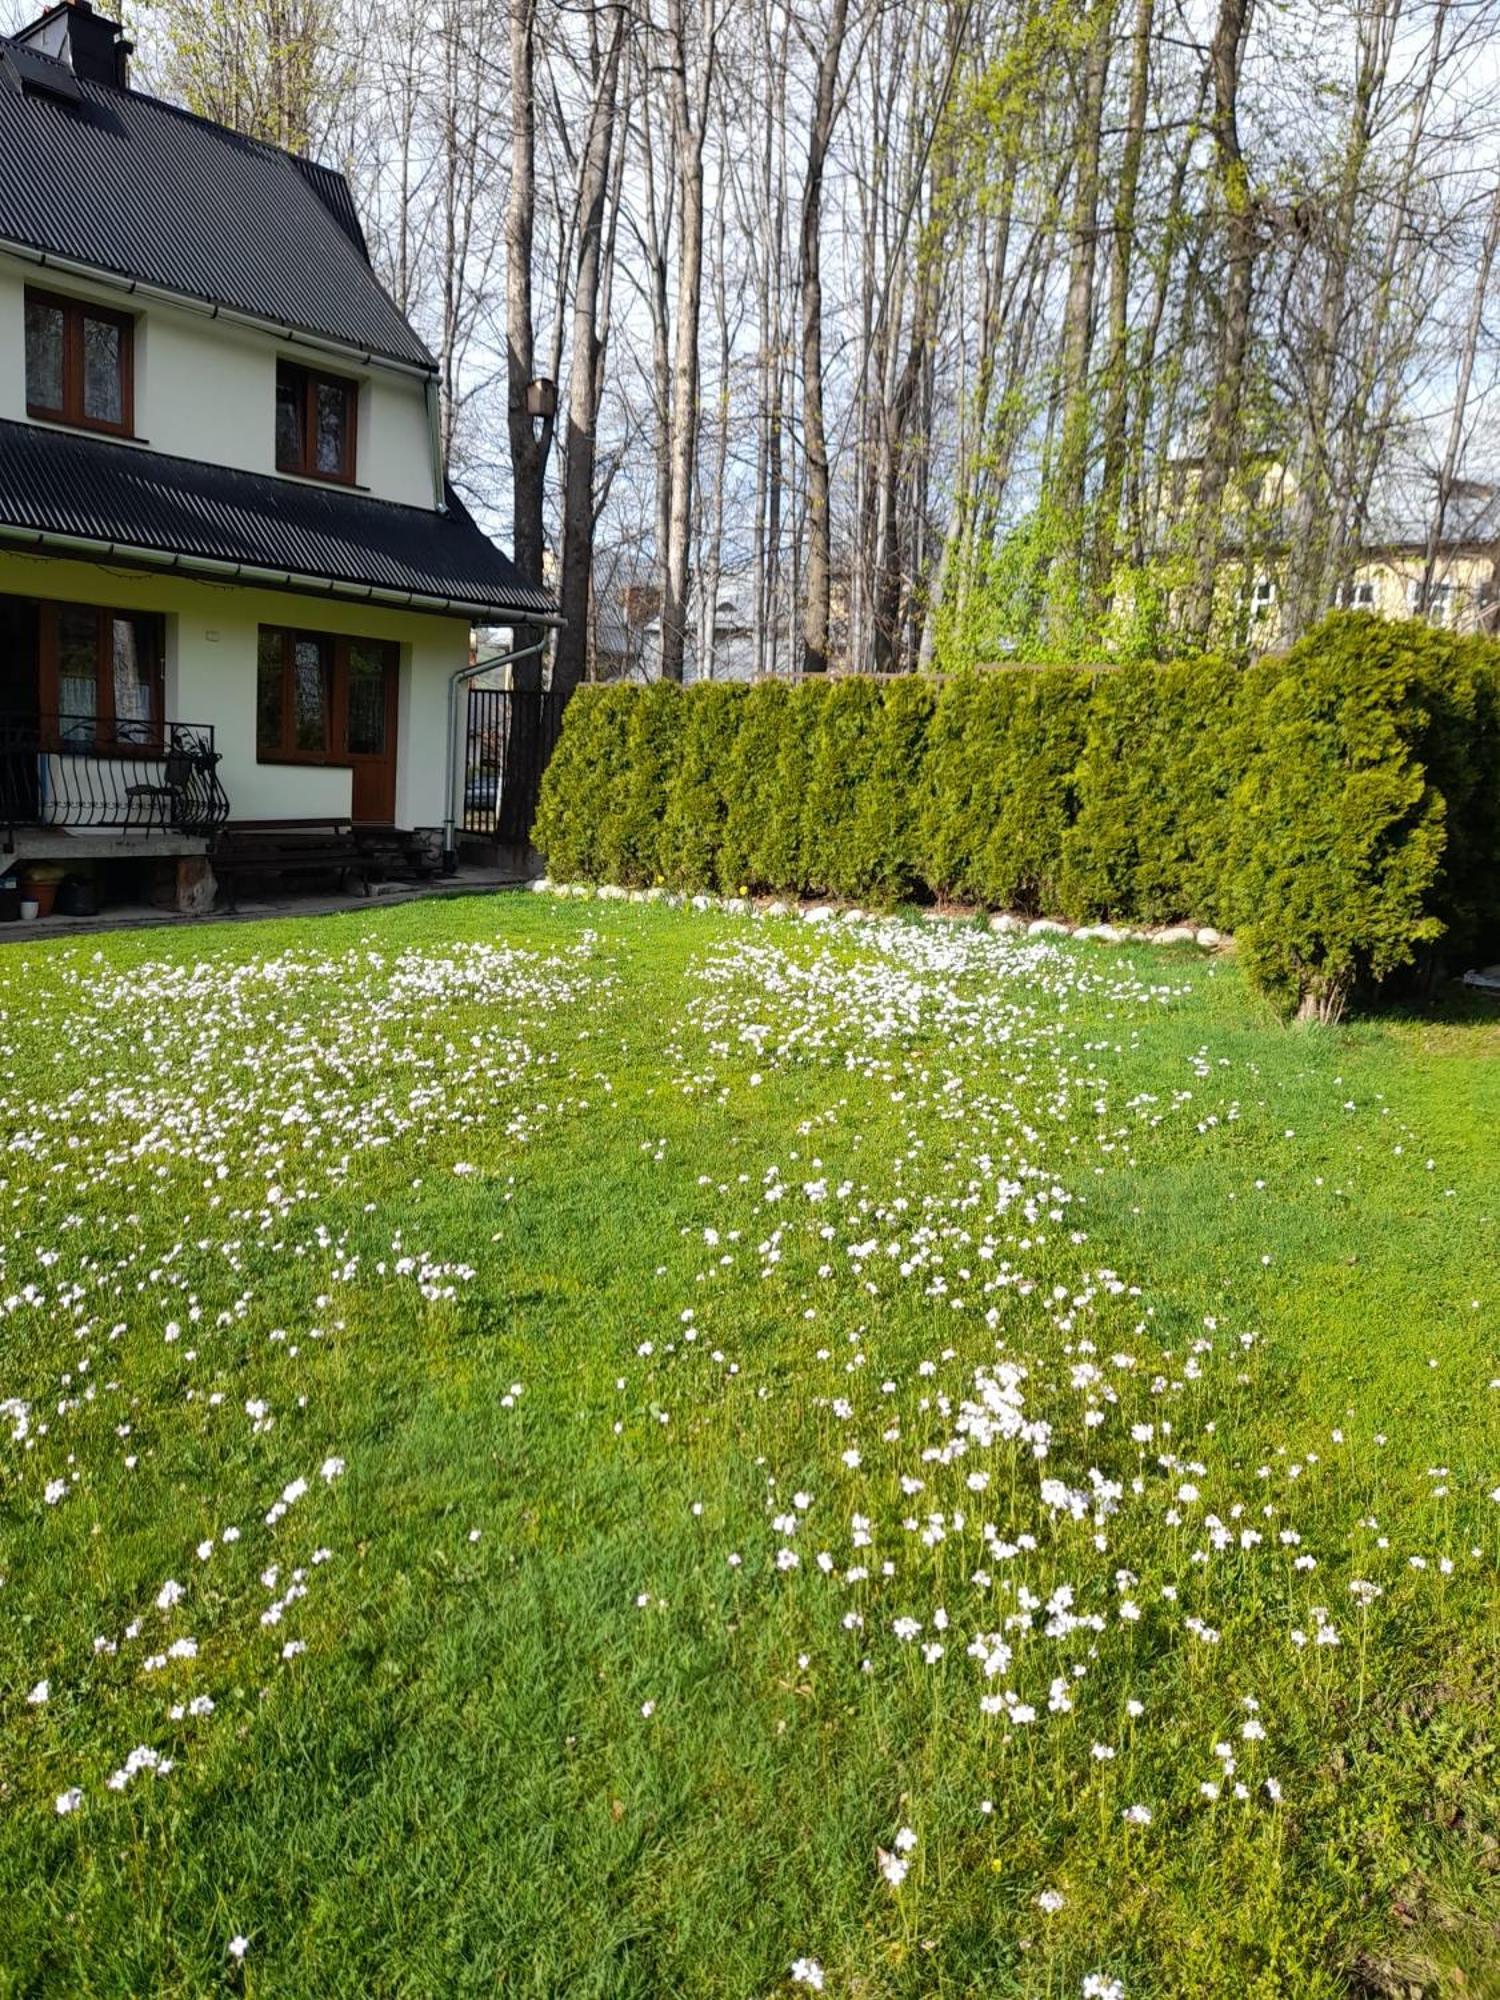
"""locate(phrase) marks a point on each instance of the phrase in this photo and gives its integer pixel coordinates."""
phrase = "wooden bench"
(285, 847)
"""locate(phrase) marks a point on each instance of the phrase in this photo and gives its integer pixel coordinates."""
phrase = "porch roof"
(76, 495)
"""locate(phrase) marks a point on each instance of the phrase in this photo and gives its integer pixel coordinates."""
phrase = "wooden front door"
(370, 689)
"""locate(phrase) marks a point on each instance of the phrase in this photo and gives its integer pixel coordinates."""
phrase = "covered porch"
(88, 754)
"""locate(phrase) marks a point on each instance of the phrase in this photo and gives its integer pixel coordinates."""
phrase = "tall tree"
(584, 378)
(818, 568)
(1221, 438)
(692, 51)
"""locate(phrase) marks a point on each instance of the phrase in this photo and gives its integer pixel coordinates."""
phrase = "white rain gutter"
(455, 681)
(212, 571)
(297, 336)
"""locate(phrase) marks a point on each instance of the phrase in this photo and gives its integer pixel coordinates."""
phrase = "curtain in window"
(77, 672)
(134, 687)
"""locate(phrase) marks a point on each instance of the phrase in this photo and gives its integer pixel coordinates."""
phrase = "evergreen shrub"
(1337, 807)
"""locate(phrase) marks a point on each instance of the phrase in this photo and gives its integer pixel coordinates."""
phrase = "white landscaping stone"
(1101, 934)
(854, 916)
(1046, 927)
(703, 902)
(777, 910)
(1175, 934)
(1006, 922)
(737, 906)
(1208, 937)
(817, 913)
(543, 886)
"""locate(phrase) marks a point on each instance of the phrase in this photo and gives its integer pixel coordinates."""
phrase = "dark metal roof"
(1405, 517)
(130, 185)
(54, 483)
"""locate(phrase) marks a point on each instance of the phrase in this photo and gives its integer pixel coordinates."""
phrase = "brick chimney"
(94, 48)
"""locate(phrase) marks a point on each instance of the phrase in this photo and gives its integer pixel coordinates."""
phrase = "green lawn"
(620, 1451)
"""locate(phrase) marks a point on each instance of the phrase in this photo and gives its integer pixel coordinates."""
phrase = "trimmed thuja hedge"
(1337, 807)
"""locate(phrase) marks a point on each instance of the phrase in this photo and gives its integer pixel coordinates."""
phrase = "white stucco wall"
(211, 647)
(206, 389)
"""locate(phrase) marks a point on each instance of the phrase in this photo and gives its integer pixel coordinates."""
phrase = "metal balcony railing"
(129, 777)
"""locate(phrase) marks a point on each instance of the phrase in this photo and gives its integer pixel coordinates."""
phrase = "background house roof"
(53, 483)
(127, 184)
(1405, 518)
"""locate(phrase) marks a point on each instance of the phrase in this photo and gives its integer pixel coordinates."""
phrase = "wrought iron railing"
(511, 736)
(132, 777)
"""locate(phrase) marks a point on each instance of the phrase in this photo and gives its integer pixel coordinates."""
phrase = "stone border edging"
(1204, 936)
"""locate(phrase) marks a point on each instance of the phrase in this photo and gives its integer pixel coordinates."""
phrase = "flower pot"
(30, 909)
(43, 894)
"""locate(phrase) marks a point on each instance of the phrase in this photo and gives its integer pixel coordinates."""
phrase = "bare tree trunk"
(689, 121)
(1313, 513)
(818, 567)
(584, 375)
(1222, 442)
(1117, 361)
(1078, 311)
(529, 448)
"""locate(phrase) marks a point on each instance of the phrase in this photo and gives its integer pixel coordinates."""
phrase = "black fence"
(128, 777)
(512, 734)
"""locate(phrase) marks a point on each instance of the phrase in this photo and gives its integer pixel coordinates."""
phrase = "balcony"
(135, 784)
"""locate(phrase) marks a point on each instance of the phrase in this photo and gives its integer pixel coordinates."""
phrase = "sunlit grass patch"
(581, 1448)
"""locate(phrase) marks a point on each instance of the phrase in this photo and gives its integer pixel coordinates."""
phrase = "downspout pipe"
(456, 680)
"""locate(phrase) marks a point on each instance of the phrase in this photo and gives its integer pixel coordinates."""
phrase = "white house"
(233, 580)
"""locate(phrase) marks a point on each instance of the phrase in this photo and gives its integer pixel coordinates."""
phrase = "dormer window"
(315, 420)
(79, 363)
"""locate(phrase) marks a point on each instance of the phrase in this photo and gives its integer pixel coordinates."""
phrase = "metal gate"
(511, 736)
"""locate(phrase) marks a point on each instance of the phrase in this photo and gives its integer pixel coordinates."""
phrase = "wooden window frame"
(106, 722)
(72, 412)
(337, 755)
(308, 381)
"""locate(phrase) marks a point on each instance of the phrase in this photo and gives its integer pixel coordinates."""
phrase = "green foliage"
(1019, 595)
(580, 783)
(967, 749)
(838, 770)
(631, 834)
(1152, 782)
(776, 859)
(750, 782)
(1335, 834)
(692, 821)
(1338, 808)
(1019, 863)
(883, 852)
